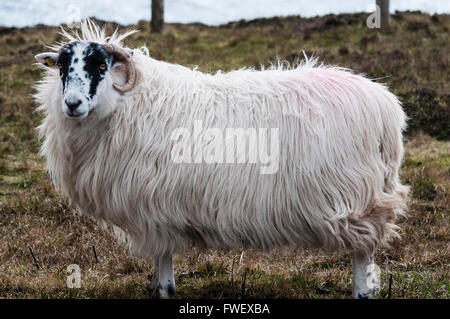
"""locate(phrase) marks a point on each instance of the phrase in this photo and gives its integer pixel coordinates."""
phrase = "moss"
(423, 188)
(428, 112)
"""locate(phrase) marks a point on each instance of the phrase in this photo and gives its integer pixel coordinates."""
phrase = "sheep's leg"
(163, 281)
(365, 276)
(155, 279)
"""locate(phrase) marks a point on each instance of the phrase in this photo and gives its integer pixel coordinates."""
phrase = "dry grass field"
(412, 58)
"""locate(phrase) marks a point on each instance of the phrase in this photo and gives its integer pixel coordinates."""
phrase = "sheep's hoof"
(155, 293)
(366, 294)
(161, 292)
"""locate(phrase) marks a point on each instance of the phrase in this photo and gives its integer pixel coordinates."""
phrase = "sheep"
(109, 117)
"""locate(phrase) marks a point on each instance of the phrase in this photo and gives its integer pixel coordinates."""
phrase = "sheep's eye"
(59, 65)
(102, 67)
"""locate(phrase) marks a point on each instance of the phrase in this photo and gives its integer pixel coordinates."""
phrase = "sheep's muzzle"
(124, 57)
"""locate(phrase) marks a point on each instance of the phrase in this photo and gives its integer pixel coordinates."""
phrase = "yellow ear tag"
(50, 62)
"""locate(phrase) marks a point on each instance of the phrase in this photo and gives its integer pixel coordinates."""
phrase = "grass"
(412, 58)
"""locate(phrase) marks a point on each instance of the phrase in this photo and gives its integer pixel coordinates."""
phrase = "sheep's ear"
(118, 67)
(119, 73)
(48, 59)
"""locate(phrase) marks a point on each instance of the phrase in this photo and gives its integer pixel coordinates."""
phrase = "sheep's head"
(88, 73)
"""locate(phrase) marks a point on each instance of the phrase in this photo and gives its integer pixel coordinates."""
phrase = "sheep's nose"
(72, 105)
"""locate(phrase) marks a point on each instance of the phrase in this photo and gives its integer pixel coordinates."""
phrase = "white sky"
(54, 12)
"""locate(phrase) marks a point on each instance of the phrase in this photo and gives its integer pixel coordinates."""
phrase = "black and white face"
(85, 72)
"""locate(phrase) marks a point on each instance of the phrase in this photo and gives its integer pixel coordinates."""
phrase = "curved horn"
(123, 56)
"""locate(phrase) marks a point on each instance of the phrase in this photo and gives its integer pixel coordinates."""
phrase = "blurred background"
(406, 45)
(20, 13)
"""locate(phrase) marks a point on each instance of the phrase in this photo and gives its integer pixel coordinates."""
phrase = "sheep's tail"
(392, 151)
(391, 203)
(377, 226)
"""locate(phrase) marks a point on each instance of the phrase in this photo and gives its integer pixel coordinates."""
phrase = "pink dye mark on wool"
(335, 86)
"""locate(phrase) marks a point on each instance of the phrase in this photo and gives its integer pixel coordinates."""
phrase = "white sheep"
(110, 115)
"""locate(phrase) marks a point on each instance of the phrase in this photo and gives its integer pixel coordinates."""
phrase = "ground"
(412, 58)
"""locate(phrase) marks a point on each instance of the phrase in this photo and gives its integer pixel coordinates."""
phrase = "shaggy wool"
(336, 187)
